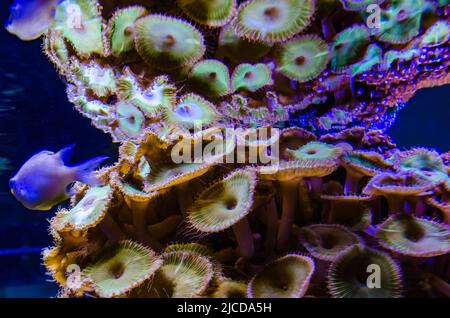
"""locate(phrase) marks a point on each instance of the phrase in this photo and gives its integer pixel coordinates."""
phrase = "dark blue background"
(35, 115)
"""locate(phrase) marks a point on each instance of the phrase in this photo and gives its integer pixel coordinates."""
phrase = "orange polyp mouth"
(271, 13)
(403, 15)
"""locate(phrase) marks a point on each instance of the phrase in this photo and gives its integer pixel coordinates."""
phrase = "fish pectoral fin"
(70, 190)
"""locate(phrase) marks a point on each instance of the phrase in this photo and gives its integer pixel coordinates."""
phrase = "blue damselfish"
(42, 181)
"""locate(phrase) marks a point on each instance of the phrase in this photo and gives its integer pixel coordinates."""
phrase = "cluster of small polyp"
(133, 65)
(333, 207)
(311, 226)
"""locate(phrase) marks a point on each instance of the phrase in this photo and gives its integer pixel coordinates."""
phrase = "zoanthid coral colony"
(338, 212)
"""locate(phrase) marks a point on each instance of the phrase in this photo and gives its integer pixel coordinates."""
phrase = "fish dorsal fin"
(66, 153)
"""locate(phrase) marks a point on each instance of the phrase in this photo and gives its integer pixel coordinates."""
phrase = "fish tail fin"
(85, 171)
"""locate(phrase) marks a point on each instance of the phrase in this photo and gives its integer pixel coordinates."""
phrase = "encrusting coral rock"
(304, 68)
(336, 198)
